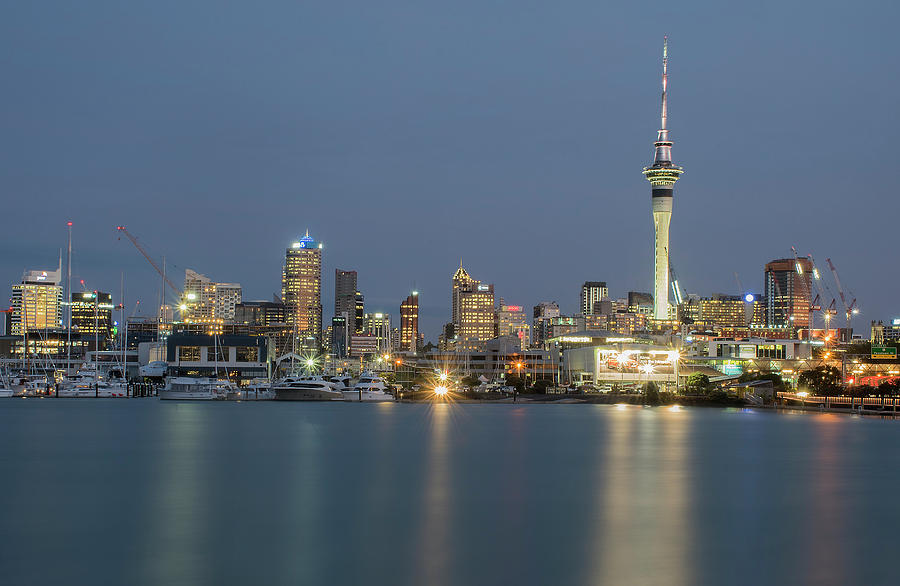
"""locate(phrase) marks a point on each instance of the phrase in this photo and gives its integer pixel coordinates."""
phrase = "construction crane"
(140, 248)
(850, 309)
(676, 290)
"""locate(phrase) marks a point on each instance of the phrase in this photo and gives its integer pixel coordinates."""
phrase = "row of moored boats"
(369, 388)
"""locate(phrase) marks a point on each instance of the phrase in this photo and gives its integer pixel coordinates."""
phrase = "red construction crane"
(140, 248)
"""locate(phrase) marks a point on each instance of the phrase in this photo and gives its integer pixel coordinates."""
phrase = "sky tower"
(662, 174)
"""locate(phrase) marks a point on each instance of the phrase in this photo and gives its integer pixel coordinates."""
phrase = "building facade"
(37, 302)
(301, 287)
(206, 301)
(592, 293)
(409, 323)
(512, 321)
(788, 293)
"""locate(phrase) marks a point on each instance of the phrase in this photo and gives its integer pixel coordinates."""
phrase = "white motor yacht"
(154, 369)
(305, 388)
(369, 388)
(186, 388)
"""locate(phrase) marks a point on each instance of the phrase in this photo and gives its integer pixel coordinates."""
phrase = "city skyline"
(581, 138)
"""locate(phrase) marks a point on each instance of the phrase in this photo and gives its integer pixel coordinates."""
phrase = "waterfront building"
(345, 290)
(592, 293)
(511, 321)
(37, 302)
(301, 287)
(541, 315)
(239, 358)
(409, 323)
(662, 174)
(92, 315)
(206, 301)
(788, 292)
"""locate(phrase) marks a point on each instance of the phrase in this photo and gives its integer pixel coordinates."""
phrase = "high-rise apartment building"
(788, 288)
(301, 287)
(592, 293)
(409, 323)
(206, 301)
(37, 302)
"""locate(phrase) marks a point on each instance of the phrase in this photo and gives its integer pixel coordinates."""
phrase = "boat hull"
(291, 394)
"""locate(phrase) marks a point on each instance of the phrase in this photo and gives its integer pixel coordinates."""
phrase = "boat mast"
(68, 301)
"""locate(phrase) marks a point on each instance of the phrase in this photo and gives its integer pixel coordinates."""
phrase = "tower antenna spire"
(665, 81)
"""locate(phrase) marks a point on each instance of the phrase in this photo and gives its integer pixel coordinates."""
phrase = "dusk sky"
(409, 135)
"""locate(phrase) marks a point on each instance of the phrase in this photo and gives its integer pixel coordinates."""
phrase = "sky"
(408, 136)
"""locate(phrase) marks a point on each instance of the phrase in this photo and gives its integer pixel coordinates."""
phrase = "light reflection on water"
(143, 492)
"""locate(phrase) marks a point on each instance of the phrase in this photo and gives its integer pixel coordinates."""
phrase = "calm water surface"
(145, 492)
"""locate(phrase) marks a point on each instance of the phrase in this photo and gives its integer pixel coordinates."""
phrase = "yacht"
(186, 388)
(259, 389)
(306, 388)
(342, 383)
(369, 388)
(154, 369)
(88, 381)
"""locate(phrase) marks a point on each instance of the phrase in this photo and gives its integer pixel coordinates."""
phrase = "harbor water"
(148, 492)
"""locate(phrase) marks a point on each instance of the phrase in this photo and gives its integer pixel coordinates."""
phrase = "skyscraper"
(461, 282)
(379, 326)
(409, 323)
(92, 315)
(662, 174)
(788, 286)
(345, 294)
(37, 302)
(301, 287)
(540, 324)
(343, 325)
(473, 307)
(592, 293)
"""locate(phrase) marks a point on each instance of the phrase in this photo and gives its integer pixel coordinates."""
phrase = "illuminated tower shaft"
(662, 175)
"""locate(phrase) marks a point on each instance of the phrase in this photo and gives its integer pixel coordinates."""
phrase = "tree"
(540, 387)
(889, 388)
(822, 380)
(651, 393)
(428, 347)
(697, 384)
(470, 380)
(514, 381)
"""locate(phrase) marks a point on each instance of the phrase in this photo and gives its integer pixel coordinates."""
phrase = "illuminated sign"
(884, 352)
(574, 339)
(614, 340)
(749, 298)
(513, 308)
(895, 321)
(747, 351)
